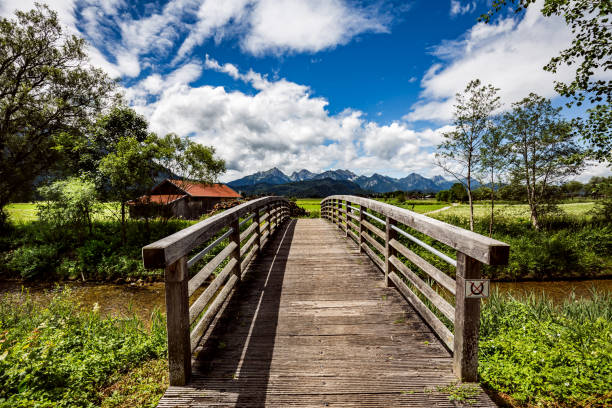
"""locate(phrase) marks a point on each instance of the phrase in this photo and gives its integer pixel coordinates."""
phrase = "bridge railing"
(360, 218)
(218, 250)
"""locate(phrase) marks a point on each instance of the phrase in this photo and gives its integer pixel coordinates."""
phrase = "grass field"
(309, 204)
(27, 212)
(517, 210)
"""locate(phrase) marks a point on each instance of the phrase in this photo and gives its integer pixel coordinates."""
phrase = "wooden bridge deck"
(313, 325)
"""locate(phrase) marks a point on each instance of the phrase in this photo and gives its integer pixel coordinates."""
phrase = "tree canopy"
(47, 90)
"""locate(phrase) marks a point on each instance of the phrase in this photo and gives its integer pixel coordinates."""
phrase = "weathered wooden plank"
(381, 234)
(244, 234)
(199, 278)
(202, 300)
(479, 247)
(374, 242)
(443, 279)
(441, 330)
(245, 262)
(205, 321)
(247, 245)
(379, 262)
(171, 248)
(438, 301)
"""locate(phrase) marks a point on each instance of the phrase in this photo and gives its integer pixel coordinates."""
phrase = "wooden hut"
(180, 199)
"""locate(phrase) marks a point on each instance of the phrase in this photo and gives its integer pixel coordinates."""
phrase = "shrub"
(59, 356)
(548, 356)
(33, 261)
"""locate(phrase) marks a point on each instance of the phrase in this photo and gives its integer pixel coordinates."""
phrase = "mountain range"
(375, 183)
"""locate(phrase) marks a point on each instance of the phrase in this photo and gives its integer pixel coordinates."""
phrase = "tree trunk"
(469, 191)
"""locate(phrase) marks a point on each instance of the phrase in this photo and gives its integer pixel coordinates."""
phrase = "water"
(143, 299)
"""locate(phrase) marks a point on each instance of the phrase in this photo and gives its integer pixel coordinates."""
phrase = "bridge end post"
(467, 321)
(177, 322)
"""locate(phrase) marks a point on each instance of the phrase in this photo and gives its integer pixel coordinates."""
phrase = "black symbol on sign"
(477, 289)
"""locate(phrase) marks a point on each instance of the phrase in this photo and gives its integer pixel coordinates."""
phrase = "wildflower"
(96, 307)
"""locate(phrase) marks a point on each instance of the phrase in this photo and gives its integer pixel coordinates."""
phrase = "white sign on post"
(476, 288)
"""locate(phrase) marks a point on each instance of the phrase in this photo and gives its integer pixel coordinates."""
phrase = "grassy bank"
(567, 246)
(60, 356)
(32, 250)
(536, 354)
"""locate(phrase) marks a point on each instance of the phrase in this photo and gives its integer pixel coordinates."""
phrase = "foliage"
(130, 170)
(101, 256)
(31, 261)
(48, 92)
(59, 356)
(70, 203)
(189, 160)
(542, 355)
(591, 53)
(541, 149)
(459, 153)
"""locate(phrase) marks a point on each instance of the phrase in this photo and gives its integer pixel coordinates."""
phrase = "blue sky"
(363, 85)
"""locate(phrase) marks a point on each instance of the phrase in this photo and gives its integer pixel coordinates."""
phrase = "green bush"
(59, 356)
(548, 356)
(36, 261)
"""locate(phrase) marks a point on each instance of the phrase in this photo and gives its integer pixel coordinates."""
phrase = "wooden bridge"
(264, 310)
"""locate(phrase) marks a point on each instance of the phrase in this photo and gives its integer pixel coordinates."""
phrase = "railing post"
(257, 229)
(235, 236)
(361, 238)
(467, 321)
(389, 250)
(177, 322)
(348, 204)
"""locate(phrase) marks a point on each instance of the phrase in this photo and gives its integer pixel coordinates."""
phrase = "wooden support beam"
(177, 322)
(348, 210)
(467, 321)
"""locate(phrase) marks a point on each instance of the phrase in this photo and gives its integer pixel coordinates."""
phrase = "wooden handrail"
(186, 325)
(472, 250)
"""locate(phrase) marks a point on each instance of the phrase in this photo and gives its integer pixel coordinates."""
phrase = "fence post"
(361, 230)
(177, 322)
(467, 321)
(257, 229)
(235, 237)
(389, 250)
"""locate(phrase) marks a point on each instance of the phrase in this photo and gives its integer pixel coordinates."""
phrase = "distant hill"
(303, 189)
(375, 183)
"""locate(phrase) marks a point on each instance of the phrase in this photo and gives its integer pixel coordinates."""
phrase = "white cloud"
(458, 9)
(508, 54)
(281, 125)
(279, 26)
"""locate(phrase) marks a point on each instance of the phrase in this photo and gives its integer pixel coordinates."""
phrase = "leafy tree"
(443, 195)
(458, 192)
(69, 203)
(542, 150)
(459, 153)
(47, 93)
(492, 165)
(572, 188)
(130, 170)
(591, 53)
(189, 160)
